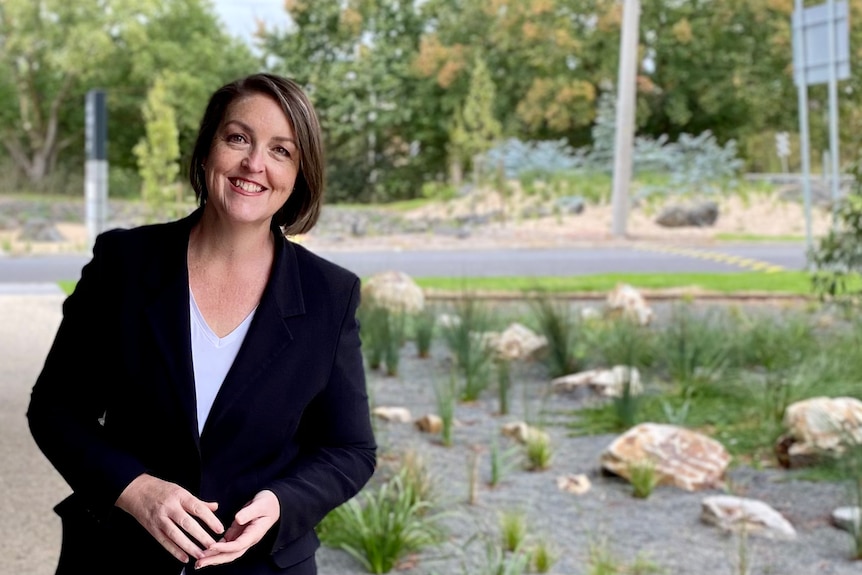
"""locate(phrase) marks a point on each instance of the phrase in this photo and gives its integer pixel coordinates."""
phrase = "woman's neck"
(214, 239)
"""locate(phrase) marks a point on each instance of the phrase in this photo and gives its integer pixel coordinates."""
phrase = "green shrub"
(643, 478)
(380, 527)
(559, 326)
(513, 530)
(465, 341)
(423, 330)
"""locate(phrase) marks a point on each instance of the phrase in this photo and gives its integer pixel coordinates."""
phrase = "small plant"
(504, 384)
(380, 527)
(627, 403)
(601, 561)
(445, 394)
(501, 463)
(643, 477)
(497, 561)
(423, 331)
(543, 557)
(557, 323)
(539, 452)
(694, 349)
(470, 349)
(513, 530)
(394, 339)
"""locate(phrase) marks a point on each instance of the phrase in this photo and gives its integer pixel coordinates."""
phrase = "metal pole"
(96, 168)
(802, 90)
(626, 97)
(833, 107)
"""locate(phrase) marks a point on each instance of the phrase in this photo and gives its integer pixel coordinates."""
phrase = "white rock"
(577, 484)
(848, 518)
(429, 423)
(627, 301)
(823, 424)
(739, 514)
(607, 382)
(395, 291)
(393, 414)
(523, 433)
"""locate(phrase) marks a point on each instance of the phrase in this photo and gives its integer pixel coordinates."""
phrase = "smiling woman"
(227, 413)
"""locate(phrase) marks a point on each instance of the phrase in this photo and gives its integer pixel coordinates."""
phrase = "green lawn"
(788, 282)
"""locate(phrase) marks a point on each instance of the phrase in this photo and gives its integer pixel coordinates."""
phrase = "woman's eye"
(282, 151)
(235, 138)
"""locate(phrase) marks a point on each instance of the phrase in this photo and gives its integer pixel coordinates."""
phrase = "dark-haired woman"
(204, 396)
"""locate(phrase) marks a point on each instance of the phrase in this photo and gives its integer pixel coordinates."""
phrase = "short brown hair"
(301, 210)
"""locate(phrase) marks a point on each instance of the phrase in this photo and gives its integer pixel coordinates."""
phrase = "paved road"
(496, 262)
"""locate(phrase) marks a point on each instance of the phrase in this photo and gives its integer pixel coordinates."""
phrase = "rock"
(38, 230)
(698, 215)
(393, 414)
(516, 342)
(590, 313)
(571, 204)
(429, 423)
(395, 291)
(448, 320)
(577, 484)
(847, 518)
(749, 516)
(523, 433)
(625, 300)
(681, 457)
(818, 426)
(606, 382)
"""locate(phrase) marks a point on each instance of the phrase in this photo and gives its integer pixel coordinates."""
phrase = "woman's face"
(253, 161)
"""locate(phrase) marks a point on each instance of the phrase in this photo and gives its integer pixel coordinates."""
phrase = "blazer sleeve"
(339, 453)
(71, 393)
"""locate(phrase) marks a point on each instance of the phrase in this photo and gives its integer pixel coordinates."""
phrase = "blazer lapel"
(168, 315)
(268, 334)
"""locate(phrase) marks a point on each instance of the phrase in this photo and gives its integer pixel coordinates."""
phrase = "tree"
(48, 51)
(476, 129)
(53, 51)
(159, 152)
(355, 59)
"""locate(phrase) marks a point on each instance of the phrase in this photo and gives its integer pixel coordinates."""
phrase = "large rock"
(516, 342)
(749, 516)
(627, 301)
(697, 215)
(605, 382)
(848, 518)
(680, 457)
(819, 426)
(395, 291)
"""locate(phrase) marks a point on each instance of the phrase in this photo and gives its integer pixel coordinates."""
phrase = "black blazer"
(116, 398)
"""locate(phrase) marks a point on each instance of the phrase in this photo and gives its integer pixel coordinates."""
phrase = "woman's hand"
(172, 515)
(249, 526)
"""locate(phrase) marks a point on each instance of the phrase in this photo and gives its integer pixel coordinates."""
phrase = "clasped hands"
(175, 518)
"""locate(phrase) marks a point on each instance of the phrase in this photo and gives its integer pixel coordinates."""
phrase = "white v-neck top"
(212, 357)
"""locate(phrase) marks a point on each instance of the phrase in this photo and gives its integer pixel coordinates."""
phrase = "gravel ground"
(665, 528)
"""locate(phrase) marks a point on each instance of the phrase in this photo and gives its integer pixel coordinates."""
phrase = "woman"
(205, 396)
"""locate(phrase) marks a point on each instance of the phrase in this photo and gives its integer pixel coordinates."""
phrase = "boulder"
(605, 382)
(627, 301)
(701, 214)
(395, 291)
(516, 342)
(847, 518)
(680, 457)
(429, 423)
(818, 426)
(749, 516)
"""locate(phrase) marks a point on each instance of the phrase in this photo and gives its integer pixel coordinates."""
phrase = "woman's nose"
(253, 161)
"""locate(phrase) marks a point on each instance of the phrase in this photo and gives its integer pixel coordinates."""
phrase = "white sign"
(782, 144)
(811, 43)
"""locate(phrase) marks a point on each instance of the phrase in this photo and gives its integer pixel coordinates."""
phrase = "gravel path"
(665, 527)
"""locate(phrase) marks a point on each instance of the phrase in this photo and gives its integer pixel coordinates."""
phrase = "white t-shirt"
(212, 357)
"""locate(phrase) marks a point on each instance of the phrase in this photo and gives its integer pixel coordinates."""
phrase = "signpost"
(821, 54)
(96, 169)
(626, 99)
